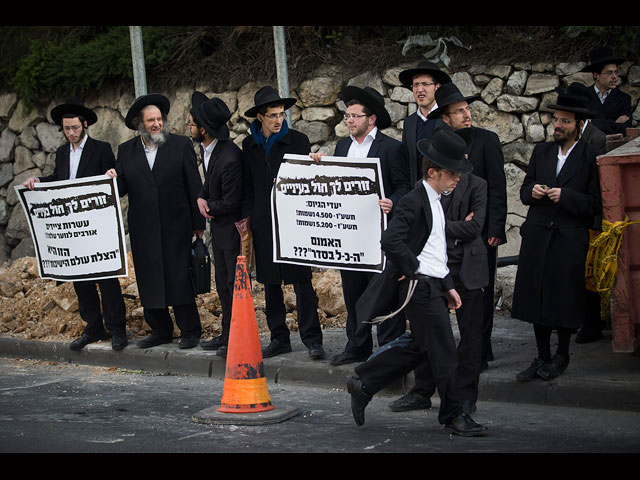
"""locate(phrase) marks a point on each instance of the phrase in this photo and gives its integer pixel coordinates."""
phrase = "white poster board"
(326, 214)
(77, 228)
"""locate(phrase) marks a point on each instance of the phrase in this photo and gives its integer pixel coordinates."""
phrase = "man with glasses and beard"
(562, 190)
(158, 170)
(84, 156)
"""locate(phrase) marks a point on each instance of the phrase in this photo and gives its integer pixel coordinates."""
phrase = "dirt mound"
(31, 307)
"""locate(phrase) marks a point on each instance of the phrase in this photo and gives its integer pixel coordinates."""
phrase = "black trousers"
(359, 339)
(489, 304)
(306, 306)
(432, 340)
(469, 348)
(224, 262)
(113, 314)
(187, 320)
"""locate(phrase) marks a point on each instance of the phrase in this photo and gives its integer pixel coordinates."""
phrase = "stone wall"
(513, 104)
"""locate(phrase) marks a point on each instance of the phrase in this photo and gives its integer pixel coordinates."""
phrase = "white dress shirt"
(207, 149)
(602, 96)
(361, 150)
(433, 258)
(150, 154)
(74, 157)
(563, 158)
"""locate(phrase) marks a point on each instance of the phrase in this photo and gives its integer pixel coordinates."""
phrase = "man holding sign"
(84, 156)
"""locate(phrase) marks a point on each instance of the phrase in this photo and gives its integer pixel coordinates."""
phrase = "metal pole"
(137, 56)
(281, 65)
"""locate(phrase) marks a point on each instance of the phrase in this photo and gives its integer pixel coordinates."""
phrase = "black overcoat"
(410, 140)
(163, 213)
(223, 190)
(550, 284)
(96, 158)
(615, 105)
(260, 173)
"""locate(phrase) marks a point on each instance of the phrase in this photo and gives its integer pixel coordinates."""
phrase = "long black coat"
(616, 104)
(259, 173)
(223, 190)
(163, 214)
(96, 158)
(410, 140)
(393, 163)
(485, 153)
(550, 285)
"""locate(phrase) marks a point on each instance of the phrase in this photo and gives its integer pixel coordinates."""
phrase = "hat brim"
(59, 111)
(406, 76)
(583, 111)
(452, 164)
(253, 111)
(597, 66)
(437, 113)
(156, 99)
(351, 92)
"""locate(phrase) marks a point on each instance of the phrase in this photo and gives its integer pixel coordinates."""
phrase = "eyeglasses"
(73, 128)
(461, 111)
(274, 116)
(353, 116)
(564, 121)
(191, 125)
(422, 84)
(610, 73)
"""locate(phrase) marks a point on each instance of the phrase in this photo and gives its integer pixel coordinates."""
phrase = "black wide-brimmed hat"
(573, 99)
(265, 96)
(599, 57)
(446, 95)
(75, 106)
(447, 149)
(371, 98)
(211, 114)
(156, 99)
(424, 67)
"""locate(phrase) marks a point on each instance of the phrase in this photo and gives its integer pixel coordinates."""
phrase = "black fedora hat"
(447, 149)
(446, 95)
(75, 106)
(425, 66)
(372, 99)
(573, 99)
(212, 115)
(156, 99)
(265, 96)
(599, 57)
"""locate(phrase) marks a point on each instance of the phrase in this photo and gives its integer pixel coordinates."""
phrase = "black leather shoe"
(469, 407)
(212, 344)
(85, 339)
(275, 348)
(359, 399)
(411, 401)
(587, 336)
(153, 340)
(188, 341)
(464, 426)
(554, 367)
(316, 352)
(222, 351)
(119, 341)
(531, 372)
(344, 358)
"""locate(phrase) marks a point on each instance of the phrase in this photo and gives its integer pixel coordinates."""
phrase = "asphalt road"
(48, 407)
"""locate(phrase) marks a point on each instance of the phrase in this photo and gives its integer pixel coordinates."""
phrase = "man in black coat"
(263, 151)
(158, 171)
(562, 190)
(423, 81)
(366, 116)
(220, 200)
(485, 153)
(87, 157)
(613, 106)
(415, 245)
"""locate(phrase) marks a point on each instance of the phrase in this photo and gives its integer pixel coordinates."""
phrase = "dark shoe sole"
(277, 352)
(466, 433)
(142, 344)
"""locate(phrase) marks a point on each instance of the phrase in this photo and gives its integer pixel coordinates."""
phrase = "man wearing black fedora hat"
(562, 190)
(220, 200)
(263, 151)
(415, 245)
(423, 81)
(85, 156)
(366, 116)
(612, 105)
(158, 171)
(485, 153)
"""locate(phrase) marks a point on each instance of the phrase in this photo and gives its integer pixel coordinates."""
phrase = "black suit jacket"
(97, 157)
(393, 163)
(470, 195)
(596, 137)
(410, 140)
(223, 192)
(616, 104)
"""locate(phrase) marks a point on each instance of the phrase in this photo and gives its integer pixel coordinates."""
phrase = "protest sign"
(76, 227)
(327, 214)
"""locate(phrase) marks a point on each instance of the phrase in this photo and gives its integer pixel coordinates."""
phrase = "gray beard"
(154, 139)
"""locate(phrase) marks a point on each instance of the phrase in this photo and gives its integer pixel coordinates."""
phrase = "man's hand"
(494, 241)
(453, 299)
(622, 119)
(111, 173)
(385, 205)
(30, 182)
(316, 157)
(203, 206)
(539, 191)
(554, 194)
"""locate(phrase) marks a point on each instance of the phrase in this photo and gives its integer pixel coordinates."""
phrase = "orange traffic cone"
(245, 385)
